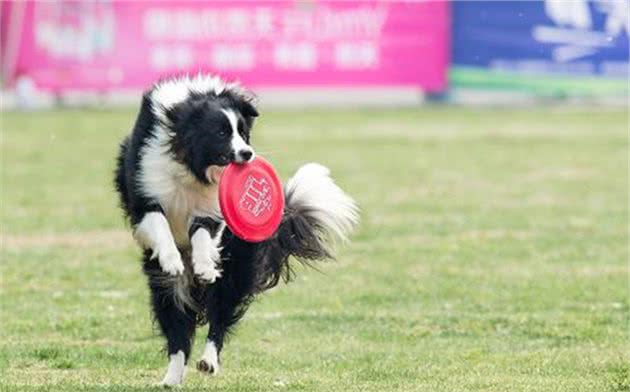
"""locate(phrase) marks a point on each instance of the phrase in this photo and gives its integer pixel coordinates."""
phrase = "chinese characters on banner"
(104, 45)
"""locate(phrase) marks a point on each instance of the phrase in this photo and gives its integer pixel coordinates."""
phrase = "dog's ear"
(247, 108)
(186, 111)
(244, 101)
(245, 105)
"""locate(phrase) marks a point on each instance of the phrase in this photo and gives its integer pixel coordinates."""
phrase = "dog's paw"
(209, 362)
(207, 272)
(205, 264)
(171, 380)
(209, 367)
(175, 371)
(171, 262)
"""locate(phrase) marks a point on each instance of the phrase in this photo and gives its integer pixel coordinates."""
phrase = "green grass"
(492, 256)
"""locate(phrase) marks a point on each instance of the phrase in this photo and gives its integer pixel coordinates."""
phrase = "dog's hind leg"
(225, 308)
(227, 300)
(223, 314)
(176, 324)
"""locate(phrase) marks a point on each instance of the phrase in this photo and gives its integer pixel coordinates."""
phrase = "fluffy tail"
(318, 215)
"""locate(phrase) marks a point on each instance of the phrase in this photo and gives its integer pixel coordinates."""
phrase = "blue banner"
(577, 38)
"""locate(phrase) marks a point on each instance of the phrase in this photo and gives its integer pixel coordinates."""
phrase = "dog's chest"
(184, 203)
(181, 196)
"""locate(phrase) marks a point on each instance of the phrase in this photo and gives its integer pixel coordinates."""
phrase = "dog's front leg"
(153, 232)
(205, 239)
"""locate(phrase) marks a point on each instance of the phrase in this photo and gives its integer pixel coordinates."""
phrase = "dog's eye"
(222, 133)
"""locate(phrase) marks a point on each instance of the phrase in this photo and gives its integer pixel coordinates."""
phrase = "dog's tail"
(317, 216)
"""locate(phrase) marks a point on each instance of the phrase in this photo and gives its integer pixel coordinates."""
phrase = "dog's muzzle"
(243, 155)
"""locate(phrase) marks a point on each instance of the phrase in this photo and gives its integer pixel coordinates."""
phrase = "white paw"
(171, 262)
(208, 273)
(209, 362)
(205, 264)
(175, 371)
(208, 367)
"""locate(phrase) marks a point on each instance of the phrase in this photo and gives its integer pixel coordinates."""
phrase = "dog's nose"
(245, 155)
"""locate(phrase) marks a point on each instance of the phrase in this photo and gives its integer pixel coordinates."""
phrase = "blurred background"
(326, 53)
(486, 143)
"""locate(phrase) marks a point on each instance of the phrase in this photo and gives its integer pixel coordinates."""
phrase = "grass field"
(492, 256)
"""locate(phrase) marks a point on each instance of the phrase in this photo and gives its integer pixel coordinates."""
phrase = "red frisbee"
(251, 199)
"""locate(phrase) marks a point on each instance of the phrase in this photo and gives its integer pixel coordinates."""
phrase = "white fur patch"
(171, 92)
(206, 254)
(211, 356)
(238, 144)
(179, 193)
(231, 116)
(153, 233)
(175, 370)
(312, 189)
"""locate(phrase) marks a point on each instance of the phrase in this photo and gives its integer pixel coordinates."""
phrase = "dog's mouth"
(225, 159)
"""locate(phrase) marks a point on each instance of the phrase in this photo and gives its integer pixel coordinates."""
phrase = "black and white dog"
(187, 131)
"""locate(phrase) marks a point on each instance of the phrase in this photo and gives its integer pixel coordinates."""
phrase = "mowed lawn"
(492, 256)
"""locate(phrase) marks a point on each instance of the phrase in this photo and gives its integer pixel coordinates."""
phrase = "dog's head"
(211, 130)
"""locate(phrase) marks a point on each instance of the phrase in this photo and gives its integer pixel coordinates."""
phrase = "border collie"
(187, 131)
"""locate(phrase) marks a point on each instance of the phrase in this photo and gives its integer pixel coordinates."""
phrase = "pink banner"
(126, 45)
